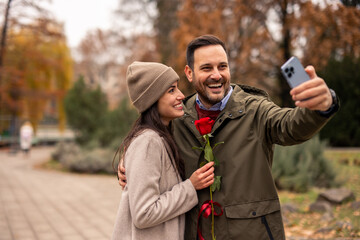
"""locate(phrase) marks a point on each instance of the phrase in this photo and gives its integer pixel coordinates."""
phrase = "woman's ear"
(188, 73)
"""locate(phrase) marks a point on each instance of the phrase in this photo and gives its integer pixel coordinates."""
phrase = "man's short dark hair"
(198, 42)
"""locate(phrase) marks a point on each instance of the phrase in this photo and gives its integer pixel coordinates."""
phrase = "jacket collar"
(234, 108)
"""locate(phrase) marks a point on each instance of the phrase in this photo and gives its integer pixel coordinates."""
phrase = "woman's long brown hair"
(150, 119)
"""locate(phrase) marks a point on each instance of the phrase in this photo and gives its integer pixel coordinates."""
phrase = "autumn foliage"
(36, 67)
(262, 35)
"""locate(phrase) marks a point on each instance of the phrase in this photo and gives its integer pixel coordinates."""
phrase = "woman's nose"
(180, 96)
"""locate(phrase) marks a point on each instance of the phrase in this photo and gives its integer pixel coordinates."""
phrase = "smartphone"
(294, 72)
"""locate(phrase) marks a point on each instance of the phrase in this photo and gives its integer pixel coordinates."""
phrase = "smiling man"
(211, 74)
(250, 124)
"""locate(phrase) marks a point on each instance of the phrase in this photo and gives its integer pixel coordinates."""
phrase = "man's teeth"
(215, 85)
(177, 106)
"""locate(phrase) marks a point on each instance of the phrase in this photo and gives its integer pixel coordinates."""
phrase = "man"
(249, 124)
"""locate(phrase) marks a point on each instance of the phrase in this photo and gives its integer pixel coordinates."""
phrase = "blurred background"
(39, 67)
(74, 93)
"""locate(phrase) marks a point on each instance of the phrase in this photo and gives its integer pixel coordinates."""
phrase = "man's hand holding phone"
(308, 90)
(313, 94)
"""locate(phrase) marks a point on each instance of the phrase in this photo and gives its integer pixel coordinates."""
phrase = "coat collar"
(234, 108)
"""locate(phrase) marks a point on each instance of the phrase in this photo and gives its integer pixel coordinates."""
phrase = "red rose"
(204, 125)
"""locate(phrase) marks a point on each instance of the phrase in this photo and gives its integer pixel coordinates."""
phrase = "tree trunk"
(3, 36)
(2, 54)
(286, 100)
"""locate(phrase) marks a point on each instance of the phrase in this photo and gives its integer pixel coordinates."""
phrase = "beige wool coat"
(154, 201)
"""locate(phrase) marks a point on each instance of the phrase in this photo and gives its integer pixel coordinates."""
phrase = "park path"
(38, 204)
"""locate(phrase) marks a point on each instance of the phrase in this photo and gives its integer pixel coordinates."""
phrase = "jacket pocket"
(257, 220)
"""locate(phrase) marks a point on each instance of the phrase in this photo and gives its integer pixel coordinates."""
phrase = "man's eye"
(223, 67)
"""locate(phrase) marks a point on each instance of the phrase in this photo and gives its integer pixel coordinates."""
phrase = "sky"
(80, 16)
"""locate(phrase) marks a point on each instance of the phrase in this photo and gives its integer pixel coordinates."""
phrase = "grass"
(344, 222)
(52, 165)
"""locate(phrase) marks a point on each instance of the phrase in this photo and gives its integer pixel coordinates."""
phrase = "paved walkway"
(37, 204)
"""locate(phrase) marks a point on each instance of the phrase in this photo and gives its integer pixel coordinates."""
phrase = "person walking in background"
(26, 137)
(155, 198)
(249, 124)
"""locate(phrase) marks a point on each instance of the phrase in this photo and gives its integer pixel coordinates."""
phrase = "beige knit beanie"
(147, 82)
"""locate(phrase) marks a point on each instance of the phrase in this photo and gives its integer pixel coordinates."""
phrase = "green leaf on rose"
(202, 163)
(198, 148)
(208, 153)
(216, 185)
(217, 144)
(216, 161)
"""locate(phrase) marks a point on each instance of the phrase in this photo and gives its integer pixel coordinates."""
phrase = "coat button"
(254, 213)
(240, 111)
(192, 121)
(230, 115)
(220, 120)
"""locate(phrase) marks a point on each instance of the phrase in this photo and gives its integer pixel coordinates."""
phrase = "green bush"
(85, 110)
(64, 148)
(88, 114)
(84, 160)
(297, 168)
(95, 161)
(117, 123)
(99, 131)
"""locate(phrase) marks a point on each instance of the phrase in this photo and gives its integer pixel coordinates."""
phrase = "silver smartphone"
(294, 72)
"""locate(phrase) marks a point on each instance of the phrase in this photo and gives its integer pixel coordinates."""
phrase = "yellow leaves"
(44, 71)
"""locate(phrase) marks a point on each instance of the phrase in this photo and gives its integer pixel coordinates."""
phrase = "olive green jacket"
(249, 125)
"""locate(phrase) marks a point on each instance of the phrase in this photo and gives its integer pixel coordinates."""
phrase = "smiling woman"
(156, 197)
(170, 104)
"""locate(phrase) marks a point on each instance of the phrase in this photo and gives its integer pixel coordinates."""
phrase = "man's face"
(211, 74)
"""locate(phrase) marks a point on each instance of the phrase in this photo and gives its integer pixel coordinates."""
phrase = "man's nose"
(216, 75)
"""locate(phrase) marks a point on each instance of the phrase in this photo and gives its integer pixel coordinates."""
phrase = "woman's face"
(170, 104)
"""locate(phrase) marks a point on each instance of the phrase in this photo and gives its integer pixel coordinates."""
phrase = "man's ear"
(188, 73)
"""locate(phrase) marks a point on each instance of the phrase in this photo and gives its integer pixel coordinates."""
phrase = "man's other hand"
(313, 94)
(121, 175)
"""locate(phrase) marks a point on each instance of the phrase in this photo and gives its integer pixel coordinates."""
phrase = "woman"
(155, 198)
(26, 137)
